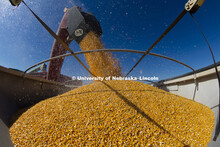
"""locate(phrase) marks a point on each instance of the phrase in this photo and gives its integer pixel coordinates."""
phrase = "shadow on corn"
(18, 114)
(111, 91)
(128, 102)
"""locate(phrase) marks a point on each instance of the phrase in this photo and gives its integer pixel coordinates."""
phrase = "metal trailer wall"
(207, 93)
(17, 92)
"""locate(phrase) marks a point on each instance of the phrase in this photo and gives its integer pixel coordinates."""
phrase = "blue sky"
(126, 24)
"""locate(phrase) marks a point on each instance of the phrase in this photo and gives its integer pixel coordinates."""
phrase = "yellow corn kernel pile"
(115, 113)
(100, 63)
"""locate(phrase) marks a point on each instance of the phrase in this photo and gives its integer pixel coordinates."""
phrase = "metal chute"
(15, 2)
